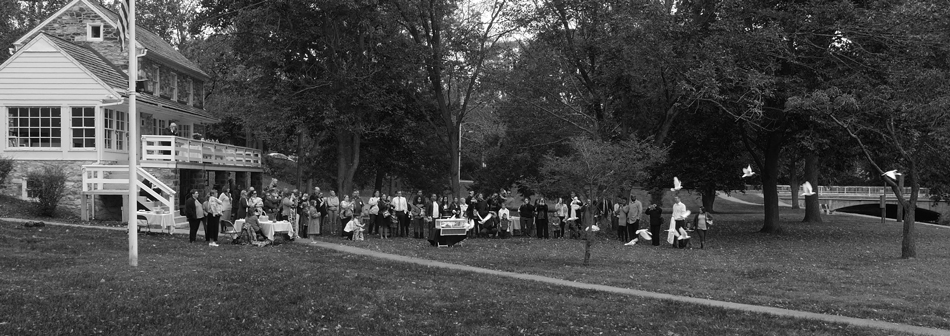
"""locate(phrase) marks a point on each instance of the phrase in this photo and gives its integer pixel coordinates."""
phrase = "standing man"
(526, 211)
(656, 220)
(471, 202)
(633, 217)
(679, 217)
(194, 212)
(481, 209)
(622, 211)
(401, 206)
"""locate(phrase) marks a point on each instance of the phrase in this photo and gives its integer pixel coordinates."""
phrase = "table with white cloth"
(267, 227)
(448, 232)
(165, 220)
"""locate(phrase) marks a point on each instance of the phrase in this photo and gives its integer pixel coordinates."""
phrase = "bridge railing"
(848, 190)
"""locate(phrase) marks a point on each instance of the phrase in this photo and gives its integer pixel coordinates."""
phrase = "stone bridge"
(833, 198)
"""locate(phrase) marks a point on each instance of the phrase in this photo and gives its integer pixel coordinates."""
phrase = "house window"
(32, 189)
(84, 127)
(174, 86)
(35, 127)
(155, 79)
(94, 31)
(184, 131)
(161, 127)
(115, 129)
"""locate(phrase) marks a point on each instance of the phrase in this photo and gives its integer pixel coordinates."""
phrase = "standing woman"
(455, 209)
(541, 217)
(701, 223)
(346, 214)
(444, 203)
(561, 210)
(214, 218)
(382, 218)
(225, 199)
(287, 207)
(333, 212)
(194, 212)
(240, 211)
(303, 214)
(313, 218)
(373, 204)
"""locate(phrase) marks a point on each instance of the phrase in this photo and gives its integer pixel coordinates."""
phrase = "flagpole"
(133, 142)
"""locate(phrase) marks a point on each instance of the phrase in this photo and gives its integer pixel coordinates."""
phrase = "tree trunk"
(299, 184)
(770, 183)
(793, 182)
(812, 207)
(587, 245)
(908, 243)
(709, 198)
(348, 159)
(380, 175)
(455, 154)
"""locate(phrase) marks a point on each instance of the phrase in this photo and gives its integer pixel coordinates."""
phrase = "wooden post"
(883, 208)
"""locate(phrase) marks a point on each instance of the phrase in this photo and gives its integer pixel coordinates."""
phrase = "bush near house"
(50, 186)
(6, 166)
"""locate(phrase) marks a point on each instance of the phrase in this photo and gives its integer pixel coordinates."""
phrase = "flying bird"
(747, 172)
(631, 243)
(677, 185)
(892, 174)
(806, 189)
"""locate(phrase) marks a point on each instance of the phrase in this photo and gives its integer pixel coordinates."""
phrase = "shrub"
(50, 185)
(6, 166)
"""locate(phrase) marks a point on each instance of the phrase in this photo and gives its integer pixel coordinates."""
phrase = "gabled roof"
(94, 62)
(155, 45)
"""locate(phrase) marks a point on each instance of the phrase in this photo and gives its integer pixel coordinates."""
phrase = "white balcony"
(172, 149)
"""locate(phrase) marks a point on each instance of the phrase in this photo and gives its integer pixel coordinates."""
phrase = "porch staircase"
(114, 180)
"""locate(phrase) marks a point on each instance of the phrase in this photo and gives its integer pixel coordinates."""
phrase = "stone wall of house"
(71, 201)
(71, 26)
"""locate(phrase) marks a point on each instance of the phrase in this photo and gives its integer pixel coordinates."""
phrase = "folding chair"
(143, 221)
(228, 228)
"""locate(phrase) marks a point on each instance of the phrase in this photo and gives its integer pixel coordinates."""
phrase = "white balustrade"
(166, 148)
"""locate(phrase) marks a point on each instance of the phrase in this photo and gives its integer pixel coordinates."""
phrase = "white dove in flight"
(892, 174)
(677, 185)
(747, 172)
(806, 189)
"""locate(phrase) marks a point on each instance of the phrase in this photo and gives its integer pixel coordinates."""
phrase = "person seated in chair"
(253, 227)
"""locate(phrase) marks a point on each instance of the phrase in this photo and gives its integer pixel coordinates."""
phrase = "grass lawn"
(846, 266)
(59, 280)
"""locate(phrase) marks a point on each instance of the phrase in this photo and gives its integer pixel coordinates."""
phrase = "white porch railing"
(115, 179)
(166, 148)
(856, 190)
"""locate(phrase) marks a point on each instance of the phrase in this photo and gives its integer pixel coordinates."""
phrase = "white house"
(63, 100)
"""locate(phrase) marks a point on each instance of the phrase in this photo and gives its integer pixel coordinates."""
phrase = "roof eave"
(197, 74)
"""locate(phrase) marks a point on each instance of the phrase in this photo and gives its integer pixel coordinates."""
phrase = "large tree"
(453, 40)
(315, 71)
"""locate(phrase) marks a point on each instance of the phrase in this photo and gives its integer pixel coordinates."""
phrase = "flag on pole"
(123, 24)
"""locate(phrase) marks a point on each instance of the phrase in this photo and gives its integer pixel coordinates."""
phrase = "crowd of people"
(383, 216)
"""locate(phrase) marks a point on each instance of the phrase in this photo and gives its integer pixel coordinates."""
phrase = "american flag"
(123, 24)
